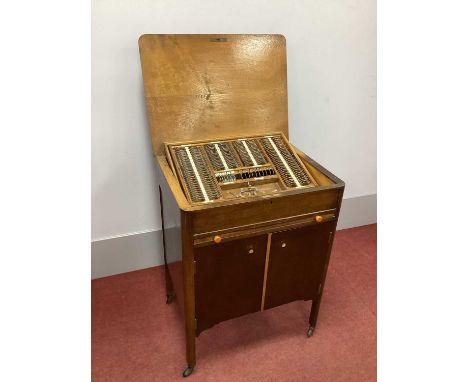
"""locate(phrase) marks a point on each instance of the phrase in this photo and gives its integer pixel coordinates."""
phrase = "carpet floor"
(137, 337)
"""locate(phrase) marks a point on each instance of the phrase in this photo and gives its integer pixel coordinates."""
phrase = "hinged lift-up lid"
(201, 87)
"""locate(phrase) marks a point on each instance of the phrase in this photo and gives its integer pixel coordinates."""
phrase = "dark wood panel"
(229, 280)
(296, 264)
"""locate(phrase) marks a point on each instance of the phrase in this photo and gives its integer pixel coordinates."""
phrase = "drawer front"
(228, 280)
(296, 263)
(290, 222)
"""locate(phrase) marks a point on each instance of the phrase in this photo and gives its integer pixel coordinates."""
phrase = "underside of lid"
(213, 86)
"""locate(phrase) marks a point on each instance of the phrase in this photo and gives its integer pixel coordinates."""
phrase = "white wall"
(331, 83)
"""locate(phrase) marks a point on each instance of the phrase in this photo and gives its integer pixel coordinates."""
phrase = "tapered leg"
(189, 291)
(190, 347)
(313, 315)
(169, 286)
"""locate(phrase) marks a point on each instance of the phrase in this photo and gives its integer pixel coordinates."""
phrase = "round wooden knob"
(217, 239)
(319, 219)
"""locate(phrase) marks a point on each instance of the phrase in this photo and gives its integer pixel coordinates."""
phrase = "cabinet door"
(296, 264)
(228, 280)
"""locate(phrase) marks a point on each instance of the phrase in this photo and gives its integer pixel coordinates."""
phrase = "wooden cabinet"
(248, 219)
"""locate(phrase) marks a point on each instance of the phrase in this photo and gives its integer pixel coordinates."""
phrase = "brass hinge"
(319, 288)
(330, 237)
(194, 267)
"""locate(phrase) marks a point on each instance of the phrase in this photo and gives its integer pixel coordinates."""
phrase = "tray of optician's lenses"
(237, 168)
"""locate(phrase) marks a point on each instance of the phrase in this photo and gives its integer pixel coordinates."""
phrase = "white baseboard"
(358, 211)
(126, 253)
(144, 250)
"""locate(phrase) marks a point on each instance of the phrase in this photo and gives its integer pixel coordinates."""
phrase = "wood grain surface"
(213, 86)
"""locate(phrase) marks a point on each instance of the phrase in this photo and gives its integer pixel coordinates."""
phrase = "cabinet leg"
(169, 297)
(169, 286)
(313, 315)
(188, 370)
(188, 262)
(191, 357)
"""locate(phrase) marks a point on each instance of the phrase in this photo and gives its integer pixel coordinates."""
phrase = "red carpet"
(137, 337)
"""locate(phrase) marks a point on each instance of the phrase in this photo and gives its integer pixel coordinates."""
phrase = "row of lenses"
(292, 161)
(226, 151)
(286, 157)
(188, 174)
(191, 181)
(255, 173)
(226, 177)
(254, 155)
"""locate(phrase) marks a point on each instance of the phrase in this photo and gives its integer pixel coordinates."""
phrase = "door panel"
(228, 280)
(296, 264)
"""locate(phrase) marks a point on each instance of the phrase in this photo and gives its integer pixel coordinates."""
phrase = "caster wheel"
(169, 298)
(310, 331)
(187, 371)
